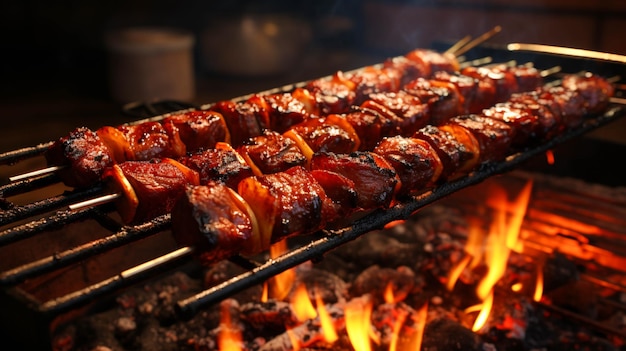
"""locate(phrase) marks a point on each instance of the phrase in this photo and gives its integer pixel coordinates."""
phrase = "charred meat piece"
(148, 189)
(285, 203)
(376, 183)
(504, 80)
(443, 98)
(452, 152)
(528, 77)
(494, 137)
(417, 164)
(595, 90)
(271, 153)
(407, 69)
(241, 119)
(332, 134)
(525, 125)
(339, 189)
(84, 156)
(369, 126)
(372, 80)
(214, 220)
(467, 88)
(334, 95)
(150, 140)
(471, 146)
(197, 130)
(288, 109)
(434, 61)
(569, 105)
(406, 112)
(548, 124)
(222, 164)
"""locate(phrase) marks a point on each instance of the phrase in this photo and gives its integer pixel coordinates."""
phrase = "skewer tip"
(94, 202)
(36, 173)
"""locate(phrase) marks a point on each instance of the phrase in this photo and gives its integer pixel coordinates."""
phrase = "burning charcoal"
(559, 271)
(382, 249)
(270, 314)
(580, 297)
(447, 335)
(376, 281)
(331, 288)
(126, 331)
(125, 325)
(385, 316)
(307, 334)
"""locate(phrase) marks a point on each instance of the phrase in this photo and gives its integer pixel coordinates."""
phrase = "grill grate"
(21, 222)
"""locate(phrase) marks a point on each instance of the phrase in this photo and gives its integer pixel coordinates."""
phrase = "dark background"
(54, 61)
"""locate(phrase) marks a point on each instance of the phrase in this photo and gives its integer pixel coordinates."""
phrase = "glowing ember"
(328, 328)
(394, 223)
(281, 284)
(517, 287)
(295, 343)
(550, 157)
(229, 337)
(301, 304)
(481, 319)
(358, 318)
(539, 285)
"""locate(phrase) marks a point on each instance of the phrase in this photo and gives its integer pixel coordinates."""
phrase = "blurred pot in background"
(254, 44)
(151, 63)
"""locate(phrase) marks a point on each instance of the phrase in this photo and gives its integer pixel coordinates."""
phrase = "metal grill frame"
(42, 315)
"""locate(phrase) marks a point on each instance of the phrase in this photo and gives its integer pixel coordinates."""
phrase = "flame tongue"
(503, 236)
(358, 320)
(229, 337)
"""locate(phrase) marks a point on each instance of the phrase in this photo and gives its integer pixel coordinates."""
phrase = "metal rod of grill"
(76, 254)
(43, 206)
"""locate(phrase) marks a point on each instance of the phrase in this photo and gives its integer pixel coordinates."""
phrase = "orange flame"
(485, 310)
(280, 285)
(388, 293)
(456, 271)
(358, 314)
(503, 235)
(301, 304)
(229, 337)
(397, 326)
(328, 328)
(475, 242)
(415, 342)
(539, 285)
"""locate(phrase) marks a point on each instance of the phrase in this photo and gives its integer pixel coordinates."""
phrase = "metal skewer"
(481, 39)
(459, 44)
(100, 200)
(35, 173)
(559, 50)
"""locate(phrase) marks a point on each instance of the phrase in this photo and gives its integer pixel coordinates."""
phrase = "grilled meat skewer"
(279, 201)
(236, 122)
